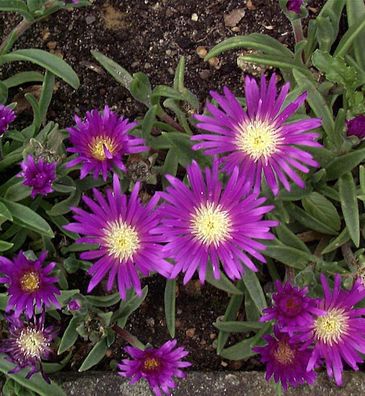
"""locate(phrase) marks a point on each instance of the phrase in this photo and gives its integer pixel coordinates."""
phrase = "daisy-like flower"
(29, 283)
(285, 360)
(7, 116)
(338, 334)
(258, 140)
(292, 307)
(157, 366)
(28, 343)
(101, 141)
(125, 231)
(38, 174)
(208, 223)
(356, 126)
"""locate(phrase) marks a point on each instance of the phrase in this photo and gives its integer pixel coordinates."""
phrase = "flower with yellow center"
(97, 147)
(121, 240)
(332, 326)
(210, 224)
(32, 343)
(151, 364)
(284, 354)
(30, 282)
(258, 139)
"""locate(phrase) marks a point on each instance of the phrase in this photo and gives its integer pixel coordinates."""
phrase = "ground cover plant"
(258, 193)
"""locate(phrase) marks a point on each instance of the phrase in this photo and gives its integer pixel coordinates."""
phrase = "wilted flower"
(259, 141)
(101, 141)
(208, 223)
(285, 360)
(356, 126)
(29, 284)
(74, 305)
(291, 307)
(28, 343)
(294, 5)
(125, 231)
(38, 174)
(339, 332)
(7, 116)
(157, 366)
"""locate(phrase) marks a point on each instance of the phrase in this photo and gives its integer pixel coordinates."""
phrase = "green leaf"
(350, 208)
(140, 88)
(241, 350)
(36, 384)
(223, 283)
(46, 94)
(127, 307)
(344, 163)
(17, 192)
(256, 41)
(27, 218)
(5, 213)
(51, 62)
(179, 75)
(103, 301)
(70, 335)
(64, 206)
(238, 327)
(3, 93)
(355, 11)
(4, 246)
(170, 165)
(116, 71)
(148, 123)
(288, 237)
(23, 78)
(170, 304)
(66, 295)
(16, 6)
(254, 288)
(95, 355)
(36, 111)
(288, 255)
(322, 209)
(349, 37)
(342, 238)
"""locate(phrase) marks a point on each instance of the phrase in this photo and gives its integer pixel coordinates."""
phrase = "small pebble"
(190, 332)
(194, 17)
(201, 51)
(224, 364)
(214, 62)
(204, 74)
(90, 19)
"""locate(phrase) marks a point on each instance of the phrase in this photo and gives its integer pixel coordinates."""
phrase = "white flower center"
(210, 224)
(97, 145)
(32, 342)
(330, 327)
(258, 139)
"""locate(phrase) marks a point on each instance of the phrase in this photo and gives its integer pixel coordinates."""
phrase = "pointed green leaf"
(95, 355)
(254, 288)
(170, 303)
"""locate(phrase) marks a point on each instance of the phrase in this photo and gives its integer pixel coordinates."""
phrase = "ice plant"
(7, 116)
(356, 126)
(29, 283)
(207, 222)
(157, 366)
(38, 174)
(292, 307)
(294, 5)
(338, 334)
(28, 343)
(285, 360)
(259, 140)
(101, 141)
(125, 231)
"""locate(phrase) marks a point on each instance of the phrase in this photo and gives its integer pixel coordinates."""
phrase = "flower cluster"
(310, 332)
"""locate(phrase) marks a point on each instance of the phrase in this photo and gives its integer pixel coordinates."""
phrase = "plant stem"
(169, 120)
(349, 257)
(127, 336)
(10, 39)
(297, 30)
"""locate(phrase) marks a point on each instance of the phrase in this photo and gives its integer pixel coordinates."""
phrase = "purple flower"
(7, 116)
(259, 141)
(74, 305)
(285, 360)
(38, 174)
(339, 332)
(292, 307)
(294, 5)
(157, 366)
(208, 223)
(125, 231)
(29, 284)
(28, 343)
(101, 141)
(356, 126)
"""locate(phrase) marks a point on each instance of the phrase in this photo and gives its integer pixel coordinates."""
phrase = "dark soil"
(150, 36)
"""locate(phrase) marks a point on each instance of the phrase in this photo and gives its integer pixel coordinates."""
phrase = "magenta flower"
(258, 140)
(338, 334)
(157, 366)
(28, 343)
(38, 174)
(125, 231)
(291, 307)
(208, 223)
(7, 116)
(294, 5)
(285, 360)
(356, 126)
(74, 305)
(29, 283)
(101, 141)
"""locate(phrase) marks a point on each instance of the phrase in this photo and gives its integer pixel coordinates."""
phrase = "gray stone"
(206, 384)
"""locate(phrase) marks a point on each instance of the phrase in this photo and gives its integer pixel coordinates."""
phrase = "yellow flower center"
(330, 327)
(258, 139)
(32, 342)
(283, 353)
(121, 239)
(29, 282)
(151, 364)
(210, 224)
(98, 144)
